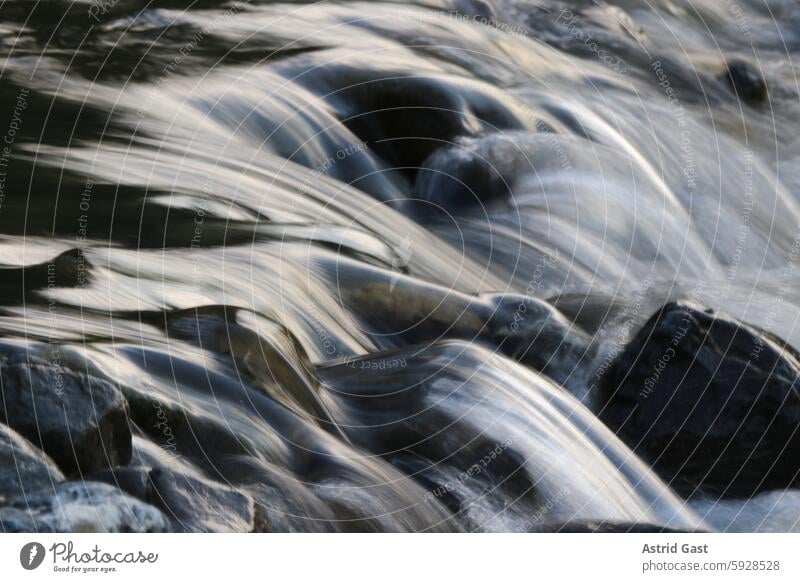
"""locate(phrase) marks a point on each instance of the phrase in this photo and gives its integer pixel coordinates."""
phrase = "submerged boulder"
(535, 333)
(711, 402)
(747, 81)
(404, 117)
(80, 421)
(77, 507)
(400, 312)
(23, 468)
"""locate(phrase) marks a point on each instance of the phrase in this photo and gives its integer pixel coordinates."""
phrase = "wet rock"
(81, 507)
(290, 504)
(69, 269)
(591, 311)
(138, 499)
(403, 312)
(80, 421)
(270, 359)
(536, 334)
(473, 174)
(404, 117)
(199, 505)
(172, 427)
(193, 504)
(135, 481)
(477, 10)
(747, 81)
(23, 468)
(711, 402)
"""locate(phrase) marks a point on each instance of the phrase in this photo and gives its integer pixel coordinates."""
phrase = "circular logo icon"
(31, 555)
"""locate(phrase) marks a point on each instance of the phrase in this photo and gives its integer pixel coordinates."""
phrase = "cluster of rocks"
(66, 462)
(710, 402)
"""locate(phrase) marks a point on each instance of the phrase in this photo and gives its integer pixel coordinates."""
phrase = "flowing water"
(305, 239)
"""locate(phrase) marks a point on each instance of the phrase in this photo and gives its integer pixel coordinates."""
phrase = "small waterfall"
(506, 448)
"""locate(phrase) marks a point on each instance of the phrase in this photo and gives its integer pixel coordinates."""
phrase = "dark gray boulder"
(23, 468)
(135, 481)
(200, 505)
(747, 81)
(80, 421)
(711, 402)
(192, 503)
(77, 507)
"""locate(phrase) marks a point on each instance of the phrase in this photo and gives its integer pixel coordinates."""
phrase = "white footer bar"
(401, 557)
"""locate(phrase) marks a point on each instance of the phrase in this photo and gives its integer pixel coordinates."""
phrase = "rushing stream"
(373, 266)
